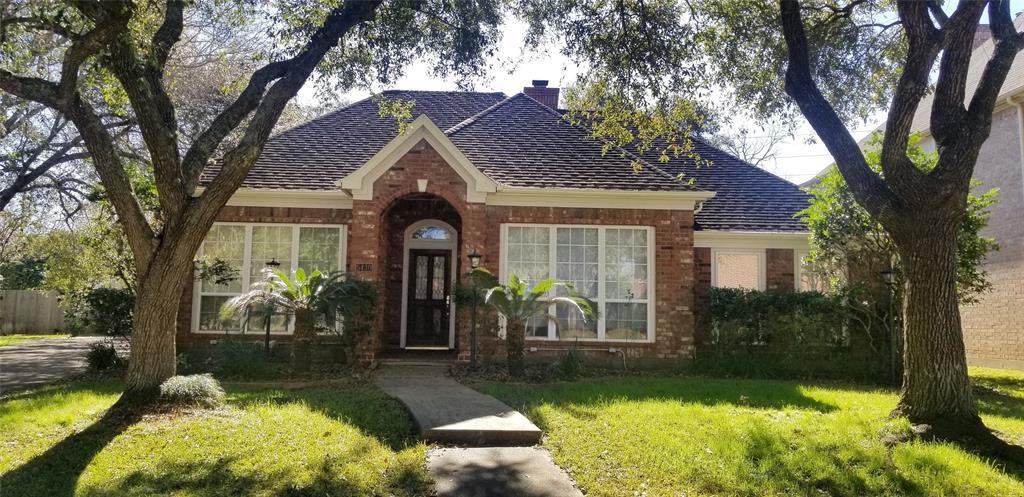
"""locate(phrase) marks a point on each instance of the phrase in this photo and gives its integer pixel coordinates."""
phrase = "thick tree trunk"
(936, 389)
(515, 347)
(155, 319)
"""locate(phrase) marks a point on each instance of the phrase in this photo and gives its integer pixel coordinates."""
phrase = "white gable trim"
(360, 182)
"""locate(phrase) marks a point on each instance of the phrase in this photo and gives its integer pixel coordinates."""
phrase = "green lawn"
(349, 441)
(6, 340)
(699, 436)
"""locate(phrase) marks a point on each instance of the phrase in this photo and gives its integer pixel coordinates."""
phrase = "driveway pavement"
(40, 362)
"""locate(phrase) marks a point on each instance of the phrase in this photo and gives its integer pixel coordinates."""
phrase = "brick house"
(509, 178)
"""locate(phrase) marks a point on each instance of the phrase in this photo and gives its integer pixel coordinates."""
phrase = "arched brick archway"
(403, 213)
(375, 232)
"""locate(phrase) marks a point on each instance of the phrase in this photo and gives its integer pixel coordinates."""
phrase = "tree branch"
(924, 44)
(869, 189)
(957, 46)
(292, 73)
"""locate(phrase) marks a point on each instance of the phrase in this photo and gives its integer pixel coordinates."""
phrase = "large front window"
(248, 248)
(609, 265)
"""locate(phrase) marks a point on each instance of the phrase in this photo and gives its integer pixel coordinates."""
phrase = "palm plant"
(316, 300)
(517, 303)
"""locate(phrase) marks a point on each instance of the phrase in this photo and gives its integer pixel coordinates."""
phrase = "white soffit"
(752, 239)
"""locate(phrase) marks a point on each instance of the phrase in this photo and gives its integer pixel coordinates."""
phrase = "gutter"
(1020, 136)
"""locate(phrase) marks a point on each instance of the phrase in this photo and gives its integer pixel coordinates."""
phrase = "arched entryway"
(422, 259)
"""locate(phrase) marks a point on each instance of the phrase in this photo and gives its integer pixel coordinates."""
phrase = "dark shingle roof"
(315, 155)
(523, 143)
(519, 142)
(747, 198)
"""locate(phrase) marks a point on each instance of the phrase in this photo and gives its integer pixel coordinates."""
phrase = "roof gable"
(360, 182)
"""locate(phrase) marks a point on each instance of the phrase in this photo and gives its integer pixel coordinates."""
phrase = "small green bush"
(570, 365)
(103, 357)
(193, 390)
(107, 311)
(240, 359)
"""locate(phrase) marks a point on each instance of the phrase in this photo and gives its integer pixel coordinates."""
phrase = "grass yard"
(6, 340)
(349, 441)
(698, 436)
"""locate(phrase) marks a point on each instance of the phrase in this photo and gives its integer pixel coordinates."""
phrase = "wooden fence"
(30, 311)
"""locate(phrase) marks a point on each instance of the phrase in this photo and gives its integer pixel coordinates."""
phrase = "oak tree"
(114, 61)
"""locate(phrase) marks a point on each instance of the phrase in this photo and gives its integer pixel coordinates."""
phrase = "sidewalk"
(495, 458)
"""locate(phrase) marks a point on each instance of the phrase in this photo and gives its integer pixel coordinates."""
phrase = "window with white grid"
(248, 248)
(610, 265)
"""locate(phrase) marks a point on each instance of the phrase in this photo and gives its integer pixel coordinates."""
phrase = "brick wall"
(994, 327)
(779, 267)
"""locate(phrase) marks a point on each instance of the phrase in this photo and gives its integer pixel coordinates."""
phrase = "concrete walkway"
(41, 362)
(450, 413)
(498, 471)
(498, 460)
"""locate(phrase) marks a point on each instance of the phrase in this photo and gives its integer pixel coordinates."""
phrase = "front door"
(430, 293)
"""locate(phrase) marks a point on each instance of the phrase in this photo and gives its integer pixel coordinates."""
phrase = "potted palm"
(317, 301)
(517, 303)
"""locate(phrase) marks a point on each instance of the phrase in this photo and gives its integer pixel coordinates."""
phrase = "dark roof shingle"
(519, 142)
(747, 198)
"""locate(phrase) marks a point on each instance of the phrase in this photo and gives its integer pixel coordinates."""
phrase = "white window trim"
(244, 271)
(451, 245)
(762, 272)
(651, 300)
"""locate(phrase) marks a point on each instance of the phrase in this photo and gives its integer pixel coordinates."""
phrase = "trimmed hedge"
(786, 335)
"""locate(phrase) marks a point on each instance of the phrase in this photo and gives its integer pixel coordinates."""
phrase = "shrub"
(103, 357)
(107, 311)
(570, 365)
(194, 390)
(786, 334)
(240, 359)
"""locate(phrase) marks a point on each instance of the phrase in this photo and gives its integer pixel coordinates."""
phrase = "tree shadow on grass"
(55, 473)
(771, 453)
(363, 407)
(223, 477)
(707, 391)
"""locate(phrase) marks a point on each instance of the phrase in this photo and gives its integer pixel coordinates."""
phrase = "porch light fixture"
(474, 259)
(272, 263)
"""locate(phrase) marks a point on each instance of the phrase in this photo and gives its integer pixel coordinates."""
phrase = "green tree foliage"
(848, 243)
(25, 273)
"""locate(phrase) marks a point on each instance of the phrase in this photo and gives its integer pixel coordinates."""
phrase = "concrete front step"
(449, 413)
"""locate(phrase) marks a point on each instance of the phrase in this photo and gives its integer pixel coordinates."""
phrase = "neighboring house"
(510, 178)
(994, 327)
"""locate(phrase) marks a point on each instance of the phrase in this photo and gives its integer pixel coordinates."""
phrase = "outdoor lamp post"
(272, 264)
(888, 277)
(474, 263)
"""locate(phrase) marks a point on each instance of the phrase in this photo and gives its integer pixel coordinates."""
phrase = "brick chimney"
(541, 93)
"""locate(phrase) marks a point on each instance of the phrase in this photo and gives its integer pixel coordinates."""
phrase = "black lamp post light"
(272, 264)
(474, 257)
